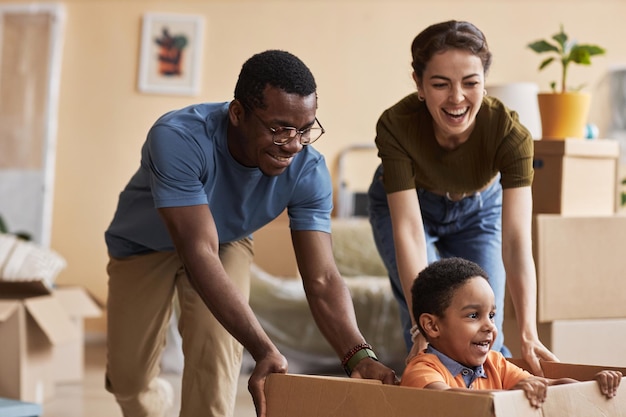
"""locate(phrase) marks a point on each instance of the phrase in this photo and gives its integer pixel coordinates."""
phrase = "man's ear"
(236, 112)
(430, 324)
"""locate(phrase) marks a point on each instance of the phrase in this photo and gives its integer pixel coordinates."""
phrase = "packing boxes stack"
(579, 250)
(41, 325)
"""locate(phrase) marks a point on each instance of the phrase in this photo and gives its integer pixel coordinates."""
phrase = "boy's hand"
(536, 389)
(609, 382)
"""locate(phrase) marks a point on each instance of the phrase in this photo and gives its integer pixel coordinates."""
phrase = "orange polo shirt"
(426, 368)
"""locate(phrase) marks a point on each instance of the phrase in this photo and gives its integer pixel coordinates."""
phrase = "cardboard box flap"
(23, 289)
(52, 319)
(597, 148)
(556, 370)
(583, 399)
(579, 372)
(77, 302)
(7, 308)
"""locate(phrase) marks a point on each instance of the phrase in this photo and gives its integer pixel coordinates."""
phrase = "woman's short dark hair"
(275, 68)
(444, 36)
(434, 287)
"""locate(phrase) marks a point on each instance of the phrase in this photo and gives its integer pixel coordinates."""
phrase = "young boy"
(454, 308)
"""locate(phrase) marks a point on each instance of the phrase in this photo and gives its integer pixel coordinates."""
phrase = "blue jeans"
(470, 228)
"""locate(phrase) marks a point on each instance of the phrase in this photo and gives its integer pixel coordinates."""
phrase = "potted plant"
(564, 112)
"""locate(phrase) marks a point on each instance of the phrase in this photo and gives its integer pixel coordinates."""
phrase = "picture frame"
(171, 54)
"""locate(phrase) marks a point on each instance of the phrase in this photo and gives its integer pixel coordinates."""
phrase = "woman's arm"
(410, 243)
(521, 277)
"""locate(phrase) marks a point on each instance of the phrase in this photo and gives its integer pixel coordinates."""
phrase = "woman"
(455, 181)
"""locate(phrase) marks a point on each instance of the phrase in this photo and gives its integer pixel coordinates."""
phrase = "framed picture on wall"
(171, 52)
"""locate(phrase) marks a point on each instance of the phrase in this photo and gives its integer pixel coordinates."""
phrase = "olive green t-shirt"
(412, 158)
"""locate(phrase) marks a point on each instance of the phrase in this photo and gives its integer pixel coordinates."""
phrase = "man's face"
(255, 147)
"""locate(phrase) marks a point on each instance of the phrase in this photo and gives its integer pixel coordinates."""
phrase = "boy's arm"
(535, 388)
(609, 382)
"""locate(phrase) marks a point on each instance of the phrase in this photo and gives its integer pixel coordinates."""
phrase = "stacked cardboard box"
(575, 177)
(578, 242)
(42, 338)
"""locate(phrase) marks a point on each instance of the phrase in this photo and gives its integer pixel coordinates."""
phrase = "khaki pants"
(141, 290)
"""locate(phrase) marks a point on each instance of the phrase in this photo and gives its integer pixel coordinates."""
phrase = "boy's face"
(467, 331)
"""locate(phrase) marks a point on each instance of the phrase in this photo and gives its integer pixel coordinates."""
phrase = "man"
(216, 172)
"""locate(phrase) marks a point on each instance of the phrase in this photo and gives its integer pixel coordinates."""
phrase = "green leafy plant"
(567, 51)
(5, 229)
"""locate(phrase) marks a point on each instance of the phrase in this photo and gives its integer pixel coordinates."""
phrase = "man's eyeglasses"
(283, 135)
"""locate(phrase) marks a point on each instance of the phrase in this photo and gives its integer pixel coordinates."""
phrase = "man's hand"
(273, 363)
(370, 369)
(534, 351)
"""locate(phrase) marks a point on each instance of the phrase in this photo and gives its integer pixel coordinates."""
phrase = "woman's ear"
(418, 82)
(430, 324)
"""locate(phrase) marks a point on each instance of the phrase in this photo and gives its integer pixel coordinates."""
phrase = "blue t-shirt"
(185, 161)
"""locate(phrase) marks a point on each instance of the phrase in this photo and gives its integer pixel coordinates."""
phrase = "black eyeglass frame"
(275, 131)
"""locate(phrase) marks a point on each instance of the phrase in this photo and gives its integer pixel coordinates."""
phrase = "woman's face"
(453, 86)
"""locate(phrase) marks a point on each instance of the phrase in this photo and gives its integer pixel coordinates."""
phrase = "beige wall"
(358, 51)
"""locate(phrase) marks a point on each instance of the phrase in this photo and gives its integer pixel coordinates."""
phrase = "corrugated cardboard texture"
(310, 396)
(575, 177)
(580, 267)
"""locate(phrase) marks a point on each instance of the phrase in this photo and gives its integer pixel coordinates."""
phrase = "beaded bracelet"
(354, 356)
(354, 350)
(415, 331)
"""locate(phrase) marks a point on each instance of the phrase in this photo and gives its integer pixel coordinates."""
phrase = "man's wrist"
(356, 355)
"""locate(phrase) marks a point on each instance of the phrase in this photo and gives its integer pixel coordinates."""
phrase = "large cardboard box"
(29, 328)
(575, 177)
(42, 338)
(581, 266)
(316, 396)
(597, 341)
(69, 358)
(273, 249)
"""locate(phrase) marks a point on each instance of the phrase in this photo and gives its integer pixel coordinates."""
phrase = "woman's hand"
(419, 344)
(533, 352)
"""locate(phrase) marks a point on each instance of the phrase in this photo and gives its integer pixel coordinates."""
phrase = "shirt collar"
(455, 368)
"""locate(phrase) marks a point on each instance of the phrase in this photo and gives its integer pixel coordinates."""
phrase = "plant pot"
(563, 115)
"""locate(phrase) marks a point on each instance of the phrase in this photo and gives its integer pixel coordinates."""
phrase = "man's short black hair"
(434, 287)
(275, 68)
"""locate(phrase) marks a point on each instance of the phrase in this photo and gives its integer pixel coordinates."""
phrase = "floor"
(90, 399)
